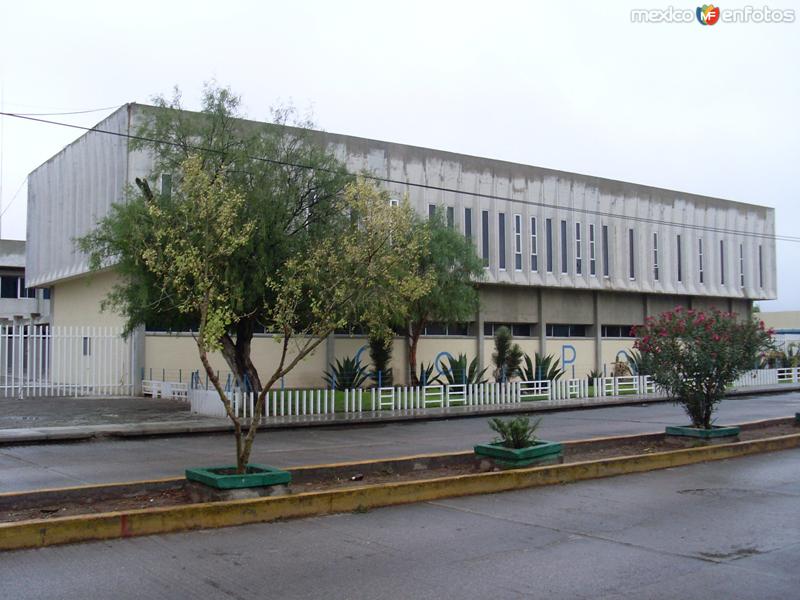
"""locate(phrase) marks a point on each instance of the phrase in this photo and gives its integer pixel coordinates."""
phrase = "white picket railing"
(39, 360)
(291, 403)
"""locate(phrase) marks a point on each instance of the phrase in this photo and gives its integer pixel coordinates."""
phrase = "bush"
(694, 355)
(542, 368)
(346, 374)
(507, 355)
(516, 433)
(380, 352)
(457, 372)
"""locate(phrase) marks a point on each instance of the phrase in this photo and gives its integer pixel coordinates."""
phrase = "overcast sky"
(573, 85)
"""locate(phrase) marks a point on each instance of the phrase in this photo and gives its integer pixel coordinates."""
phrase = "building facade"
(572, 261)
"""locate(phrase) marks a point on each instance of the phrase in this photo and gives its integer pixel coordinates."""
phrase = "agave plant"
(637, 363)
(426, 376)
(457, 372)
(594, 374)
(515, 433)
(346, 374)
(541, 368)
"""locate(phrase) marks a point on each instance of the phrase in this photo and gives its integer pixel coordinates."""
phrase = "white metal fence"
(298, 403)
(39, 360)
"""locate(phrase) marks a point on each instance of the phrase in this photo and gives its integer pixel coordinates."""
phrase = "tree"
(187, 243)
(291, 186)
(694, 355)
(507, 356)
(450, 258)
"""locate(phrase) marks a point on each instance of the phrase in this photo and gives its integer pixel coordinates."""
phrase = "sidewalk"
(48, 420)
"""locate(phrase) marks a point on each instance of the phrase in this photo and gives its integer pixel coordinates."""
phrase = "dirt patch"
(101, 499)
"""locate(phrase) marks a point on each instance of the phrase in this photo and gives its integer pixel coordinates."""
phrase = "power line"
(71, 112)
(587, 211)
(14, 197)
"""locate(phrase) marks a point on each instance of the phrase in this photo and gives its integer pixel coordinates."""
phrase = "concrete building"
(572, 261)
(787, 328)
(18, 302)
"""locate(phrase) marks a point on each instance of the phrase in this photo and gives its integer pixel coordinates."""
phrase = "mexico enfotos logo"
(709, 14)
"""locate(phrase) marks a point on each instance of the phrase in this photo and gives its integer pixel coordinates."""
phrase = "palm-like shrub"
(426, 376)
(458, 372)
(380, 352)
(694, 355)
(346, 374)
(542, 368)
(515, 433)
(507, 355)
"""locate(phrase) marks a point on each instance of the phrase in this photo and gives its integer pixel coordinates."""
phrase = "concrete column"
(137, 358)
(542, 325)
(598, 332)
(330, 350)
(645, 306)
(479, 337)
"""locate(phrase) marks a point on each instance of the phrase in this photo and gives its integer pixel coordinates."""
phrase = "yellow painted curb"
(46, 532)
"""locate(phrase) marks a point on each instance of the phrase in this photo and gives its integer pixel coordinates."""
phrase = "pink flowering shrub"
(694, 355)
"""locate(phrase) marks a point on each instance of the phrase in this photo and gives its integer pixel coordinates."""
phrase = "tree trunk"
(237, 355)
(415, 330)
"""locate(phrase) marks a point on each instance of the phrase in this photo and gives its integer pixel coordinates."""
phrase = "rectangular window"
(655, 256)
(565, 330)
(431, 210)
(485, 237)
(741, 265)
(516, 329)
(518, 242)
(592, 258)
(606, 271)
(9, 286)
(700, 258)
(46, 294)
(451, 217)
(534, 247)
(548, 241)
(564, 265)
(617, 331)
(760, 268)
(394, 202)
(468, 223)
(722, 262)
(631, 256)
(87, 346)
(680, 260)
(578, 250)
(501, 239)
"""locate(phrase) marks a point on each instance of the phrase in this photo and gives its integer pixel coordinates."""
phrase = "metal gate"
(40, 360)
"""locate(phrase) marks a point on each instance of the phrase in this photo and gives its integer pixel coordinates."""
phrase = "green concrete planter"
(714, 432)
(225, 477)
(520, 457)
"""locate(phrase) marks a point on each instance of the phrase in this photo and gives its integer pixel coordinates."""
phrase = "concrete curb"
(81, 433)
(46, 532)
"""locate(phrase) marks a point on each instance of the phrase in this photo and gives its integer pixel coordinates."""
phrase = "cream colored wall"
(76, 302)
(789, 319)
(611, 347)
(175, 356)
(583, 355)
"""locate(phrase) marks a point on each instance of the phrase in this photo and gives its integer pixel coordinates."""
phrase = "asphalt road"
(724, 530)
(67, 464)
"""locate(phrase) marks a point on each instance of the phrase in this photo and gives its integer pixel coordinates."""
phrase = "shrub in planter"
(695, 355)
(517, 444)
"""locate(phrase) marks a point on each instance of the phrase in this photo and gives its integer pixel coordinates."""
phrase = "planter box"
(520, 457)
(714, 432)
(225, 477)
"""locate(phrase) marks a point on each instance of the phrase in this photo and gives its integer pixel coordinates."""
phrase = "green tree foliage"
(291, 188)
(458, 372)
(515, 433)
(188, 246)
(507, 356)
(380, 352)
(696, 355)
(456, 268)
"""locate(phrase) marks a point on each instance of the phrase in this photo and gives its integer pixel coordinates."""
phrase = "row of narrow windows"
(587, 253)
